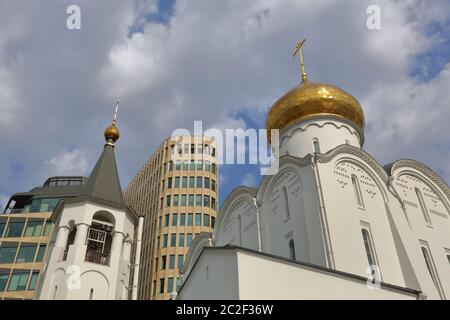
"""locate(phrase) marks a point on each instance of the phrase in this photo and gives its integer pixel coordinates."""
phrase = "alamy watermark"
(237, 146)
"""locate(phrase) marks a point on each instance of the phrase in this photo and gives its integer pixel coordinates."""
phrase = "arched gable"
(424, 174)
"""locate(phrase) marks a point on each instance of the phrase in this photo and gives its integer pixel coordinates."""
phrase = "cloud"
(72, 162)
(210, 61)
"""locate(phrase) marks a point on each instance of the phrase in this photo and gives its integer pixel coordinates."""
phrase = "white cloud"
(71, 162)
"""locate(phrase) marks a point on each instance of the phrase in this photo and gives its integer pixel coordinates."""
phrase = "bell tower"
(90, 253)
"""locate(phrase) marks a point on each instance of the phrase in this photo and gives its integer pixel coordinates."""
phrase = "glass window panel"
(191, 182)
(3, 281)
(190, 219)
(34, 228)
(191, 200)
(165, 240)
(167, 219)
(207, 166)
(205, 220)
(173, 240)
(207, 184)
(192, 166)
(169, 285)
(161, 285)
(189, 239)
(185, 164)
(172, 261)
(18, 281)
(198, 200)
(180, 262)
(7, 254)
(175, 200)
(213, 186)
(199, 165)
(177, 182)
(26, 253)
(181, 240)
(174, 219)
(41, 253)
(48, 228)
(182, 219)
(198, 219)
(206, 201)
(169, 183)
(199, 182)
(15, 229)
(2, 228)
(33, 281)
(184, 183)
(183, 199)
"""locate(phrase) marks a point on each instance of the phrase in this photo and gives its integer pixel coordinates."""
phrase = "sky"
(223, 62)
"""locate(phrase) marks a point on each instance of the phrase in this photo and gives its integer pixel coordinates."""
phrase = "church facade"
(333, 223)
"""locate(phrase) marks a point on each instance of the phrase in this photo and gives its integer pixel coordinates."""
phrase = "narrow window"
(291, 249)
(55, 292)
(357, 191)
(91, 294)
(316, 146)
(369, 248)
(431, 269)
(422, 206)
(286, 202)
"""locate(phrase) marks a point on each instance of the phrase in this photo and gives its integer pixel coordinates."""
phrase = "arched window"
(70, 241)
(316, 146)
(291, 249)
(422, 206)
(91, 294)
(286, 202)
(357, 191)
(99, 238)
(369, 248)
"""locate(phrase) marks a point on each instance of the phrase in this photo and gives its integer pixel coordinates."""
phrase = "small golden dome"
(112, 133)
(313, 99)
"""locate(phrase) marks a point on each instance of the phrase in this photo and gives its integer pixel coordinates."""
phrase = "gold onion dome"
(112, 133)
(308, 100)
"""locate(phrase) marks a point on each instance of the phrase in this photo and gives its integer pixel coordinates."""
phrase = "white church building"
(332, 223)
(90, 254)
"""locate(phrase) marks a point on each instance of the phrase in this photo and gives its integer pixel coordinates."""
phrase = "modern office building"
(25, 232)
(177, 191)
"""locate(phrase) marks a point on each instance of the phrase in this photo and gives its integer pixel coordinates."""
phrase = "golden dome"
(112, 133)
(313, 99)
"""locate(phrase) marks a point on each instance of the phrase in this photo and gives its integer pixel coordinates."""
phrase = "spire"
(103, 182)
(298, 49)
(112, 133)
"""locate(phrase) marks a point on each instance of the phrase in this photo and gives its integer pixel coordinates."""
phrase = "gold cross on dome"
(298, 49)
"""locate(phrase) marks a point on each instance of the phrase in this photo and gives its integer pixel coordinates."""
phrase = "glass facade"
(185, 208)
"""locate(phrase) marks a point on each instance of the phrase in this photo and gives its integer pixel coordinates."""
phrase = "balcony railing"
(97, 257)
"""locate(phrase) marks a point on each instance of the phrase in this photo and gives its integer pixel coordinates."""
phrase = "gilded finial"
(112, 133)
(298, 49)
(116, 111)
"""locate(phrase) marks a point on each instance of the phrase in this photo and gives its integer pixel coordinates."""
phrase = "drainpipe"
(137, 259)
(323, 218)
(258, 226)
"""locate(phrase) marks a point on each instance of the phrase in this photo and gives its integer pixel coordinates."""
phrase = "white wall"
(297, 139)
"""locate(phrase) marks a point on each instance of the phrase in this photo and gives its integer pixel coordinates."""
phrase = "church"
(332, 223)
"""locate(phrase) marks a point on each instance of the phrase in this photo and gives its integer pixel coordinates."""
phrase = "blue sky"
(222, 62)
